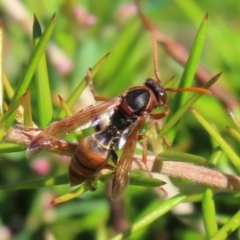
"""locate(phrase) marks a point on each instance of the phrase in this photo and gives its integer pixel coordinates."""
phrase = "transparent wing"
(49, 136)
(121, 176)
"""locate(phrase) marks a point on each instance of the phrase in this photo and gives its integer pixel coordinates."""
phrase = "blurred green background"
(84, 32)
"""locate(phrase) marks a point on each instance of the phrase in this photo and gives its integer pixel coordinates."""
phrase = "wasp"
(128, 112)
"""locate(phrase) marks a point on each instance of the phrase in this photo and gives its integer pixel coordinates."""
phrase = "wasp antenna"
(155, 59)
(191, 89)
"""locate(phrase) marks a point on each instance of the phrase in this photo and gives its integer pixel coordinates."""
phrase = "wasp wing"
(49, 136)
(121, 176)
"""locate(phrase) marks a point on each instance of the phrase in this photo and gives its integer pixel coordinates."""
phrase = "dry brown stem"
(199, 174)
(180, 170)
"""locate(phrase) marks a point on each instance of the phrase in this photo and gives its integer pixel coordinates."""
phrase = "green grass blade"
(232, 115)
(82, 85)
(36, 183)
(194, 198)
(31, 67)
(11, 147)
(74, 193)
(209, 214)
(8, 88)
(179, 113)
(189, 72)
(234, 133)
(152, 216)
(144, 181)
(12, 111)
(125, 60)
(79, 134)
(135, 179)
(65, 107)
(44, 101)
(181, 157)
(27, 114)
(215, 156)
(1, 71)
(222, 143)
(228, 228)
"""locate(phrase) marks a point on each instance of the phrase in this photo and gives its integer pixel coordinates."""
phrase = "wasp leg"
(158, 116)
(144, 160)
(144, 154)
(92, 184)
(109, 167)
(90, 83)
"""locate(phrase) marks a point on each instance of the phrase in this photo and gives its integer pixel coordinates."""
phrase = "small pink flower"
(5, 233)
(41, 166)
(127, 10)
(83, 17)
(90, 20)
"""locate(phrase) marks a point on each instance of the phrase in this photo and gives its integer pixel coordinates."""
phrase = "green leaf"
(8, 88)
(27, 116)
(1, 71)
(31, 68)
(228, 228)
(215, 156)
(12, 111)
(65, 107)
(234, 133)
(144, 181)
(44, 101)
(82, 85)
(152, 216)
(179, 113)
(209, 214)
(11, 147)
(36, 183)
(188, 74)
(74, 193)
(79, 134)
(222, 143)
(181, 157)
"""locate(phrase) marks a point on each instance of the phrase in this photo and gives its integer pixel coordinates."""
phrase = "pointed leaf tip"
(105, 57)
(192, 110)
(26, 93)
(206, 16)
(35, 19)
(230, 111)
(217, 76)
(55, 201)
(53, 17)
(60, 98)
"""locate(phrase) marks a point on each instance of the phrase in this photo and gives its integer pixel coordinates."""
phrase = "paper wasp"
(128, 112)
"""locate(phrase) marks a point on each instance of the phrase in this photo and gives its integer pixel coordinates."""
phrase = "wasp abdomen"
(90, 156)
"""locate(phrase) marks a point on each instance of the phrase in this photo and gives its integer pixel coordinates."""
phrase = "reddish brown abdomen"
(90, 157)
